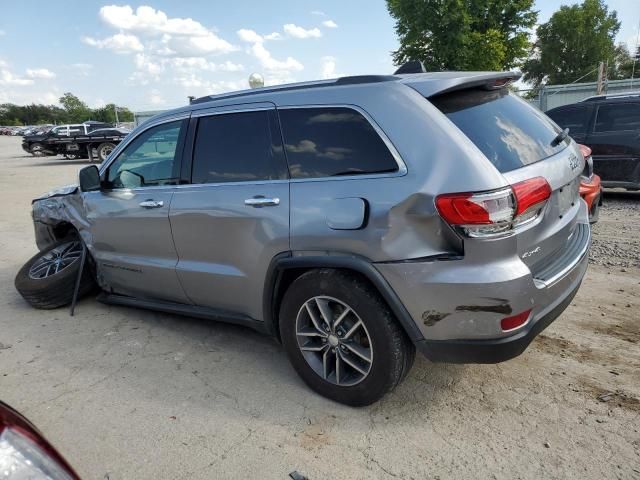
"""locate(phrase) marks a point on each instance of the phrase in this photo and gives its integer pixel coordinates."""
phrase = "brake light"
(494, 213)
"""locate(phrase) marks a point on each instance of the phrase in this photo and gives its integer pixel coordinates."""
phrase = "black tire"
(104, 149)
(57, 289)
(392, 351)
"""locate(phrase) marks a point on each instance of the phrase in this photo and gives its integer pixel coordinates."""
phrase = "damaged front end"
(58, 214)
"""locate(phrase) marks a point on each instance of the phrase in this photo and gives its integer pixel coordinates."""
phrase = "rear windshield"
(509, 131)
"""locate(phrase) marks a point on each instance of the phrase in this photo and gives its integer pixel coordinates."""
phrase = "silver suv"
(355, 220)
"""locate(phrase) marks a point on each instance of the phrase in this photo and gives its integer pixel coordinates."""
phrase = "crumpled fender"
(63, 205)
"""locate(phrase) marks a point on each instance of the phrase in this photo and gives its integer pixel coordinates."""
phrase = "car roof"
(614, 97)
(427, 84)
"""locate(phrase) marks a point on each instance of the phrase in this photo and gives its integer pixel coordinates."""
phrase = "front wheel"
(48, 279)
(37, 150)
(342, 339)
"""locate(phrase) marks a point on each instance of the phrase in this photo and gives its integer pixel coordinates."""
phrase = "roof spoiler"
(438, 83)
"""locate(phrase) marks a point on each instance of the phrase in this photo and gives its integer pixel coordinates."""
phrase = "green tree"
(572, 44)
(463, 34)
(77, 110)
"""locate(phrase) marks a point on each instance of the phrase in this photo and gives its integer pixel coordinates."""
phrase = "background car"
(610, 126)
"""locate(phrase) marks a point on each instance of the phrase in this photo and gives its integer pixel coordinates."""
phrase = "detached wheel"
(104, 149)
(342, 339)
(48, 279)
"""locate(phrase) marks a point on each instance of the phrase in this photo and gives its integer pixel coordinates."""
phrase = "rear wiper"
(560, 137)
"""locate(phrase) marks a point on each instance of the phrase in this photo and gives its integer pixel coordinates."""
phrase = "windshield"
(509, 131)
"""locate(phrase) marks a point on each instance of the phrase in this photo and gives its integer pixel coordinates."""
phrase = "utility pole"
(115, 109)
(601, 74)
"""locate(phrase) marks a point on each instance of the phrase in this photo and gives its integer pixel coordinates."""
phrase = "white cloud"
(2, 33)
(40, 73)
(329, 68)
(318, 13)
(119, 43)
(247, 35)
(198, 45)
(156, 99)
(299, 32)
(148, 20)
(273, 36)
(7, 78)
(270, 63)
(330, 24)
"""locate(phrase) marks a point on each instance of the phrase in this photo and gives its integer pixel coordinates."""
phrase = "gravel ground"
(130, 394)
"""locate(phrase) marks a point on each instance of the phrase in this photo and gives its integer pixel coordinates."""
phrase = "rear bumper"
(458, 305)
(491, 351)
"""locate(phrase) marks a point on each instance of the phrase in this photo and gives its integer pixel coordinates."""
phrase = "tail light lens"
(494, 213)
(516, 321)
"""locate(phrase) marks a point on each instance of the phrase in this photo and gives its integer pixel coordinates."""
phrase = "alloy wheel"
(56, 260)
(334, 341)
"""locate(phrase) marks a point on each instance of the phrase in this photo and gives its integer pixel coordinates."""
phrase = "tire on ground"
(55, 290)
(104, 149)
(393, 352)
(36, 149)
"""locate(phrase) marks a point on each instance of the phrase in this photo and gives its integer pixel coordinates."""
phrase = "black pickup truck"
(75, 144)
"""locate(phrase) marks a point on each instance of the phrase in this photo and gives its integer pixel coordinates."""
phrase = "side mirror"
(89, 179)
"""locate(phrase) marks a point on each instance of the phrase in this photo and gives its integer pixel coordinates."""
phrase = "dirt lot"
(133, 394)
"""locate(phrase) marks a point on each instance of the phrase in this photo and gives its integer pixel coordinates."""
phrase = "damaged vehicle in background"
(355, 220)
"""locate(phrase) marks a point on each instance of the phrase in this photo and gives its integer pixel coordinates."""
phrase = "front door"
(129, 218)
(234, 217)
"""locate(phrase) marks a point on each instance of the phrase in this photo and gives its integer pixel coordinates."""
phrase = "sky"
(152, 55)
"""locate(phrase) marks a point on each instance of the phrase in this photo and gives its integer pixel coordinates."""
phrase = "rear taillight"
(511, 323)
(494, 213)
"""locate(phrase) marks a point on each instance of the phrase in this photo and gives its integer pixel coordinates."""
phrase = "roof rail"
(352, 80)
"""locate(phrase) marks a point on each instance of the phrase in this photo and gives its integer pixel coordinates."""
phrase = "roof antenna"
(412, 66)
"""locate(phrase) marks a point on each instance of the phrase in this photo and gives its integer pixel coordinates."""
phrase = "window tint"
(510, 132)
(574, 118)
(149, 160)
(619, 117)
(237, 147)
(325, 142)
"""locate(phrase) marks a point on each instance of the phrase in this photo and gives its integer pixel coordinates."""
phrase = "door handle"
(152, 204)
(262, 202)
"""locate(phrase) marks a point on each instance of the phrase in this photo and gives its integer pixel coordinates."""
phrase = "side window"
(75, 131)
(149, 160)
(326, 142)
(620, 117)
(60, 131)
(237, 147)
(575, 119)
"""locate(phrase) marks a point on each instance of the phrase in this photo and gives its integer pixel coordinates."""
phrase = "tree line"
(72, 110)
(502, 34)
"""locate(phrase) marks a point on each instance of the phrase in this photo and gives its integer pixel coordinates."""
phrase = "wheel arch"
(285, 268)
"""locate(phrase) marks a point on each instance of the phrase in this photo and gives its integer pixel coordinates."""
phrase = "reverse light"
(490, 214)
(511, 323)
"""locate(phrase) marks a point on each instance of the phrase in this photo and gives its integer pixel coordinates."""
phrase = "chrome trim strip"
(570, 266)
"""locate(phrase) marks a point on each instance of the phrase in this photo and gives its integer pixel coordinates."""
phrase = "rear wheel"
(48, 279)
(342, 339)
(104, 149)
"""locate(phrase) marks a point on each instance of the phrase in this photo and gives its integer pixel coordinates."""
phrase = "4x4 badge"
(532, 252)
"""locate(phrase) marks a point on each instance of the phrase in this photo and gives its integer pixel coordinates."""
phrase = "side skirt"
(182, 309)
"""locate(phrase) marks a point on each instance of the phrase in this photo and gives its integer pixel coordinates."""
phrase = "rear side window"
(237, 147)
(620, 117)
(326, 142)
(574, 118)
(510, 132)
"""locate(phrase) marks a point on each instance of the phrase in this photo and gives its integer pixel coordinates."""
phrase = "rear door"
(615, 142)
(233, 218)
